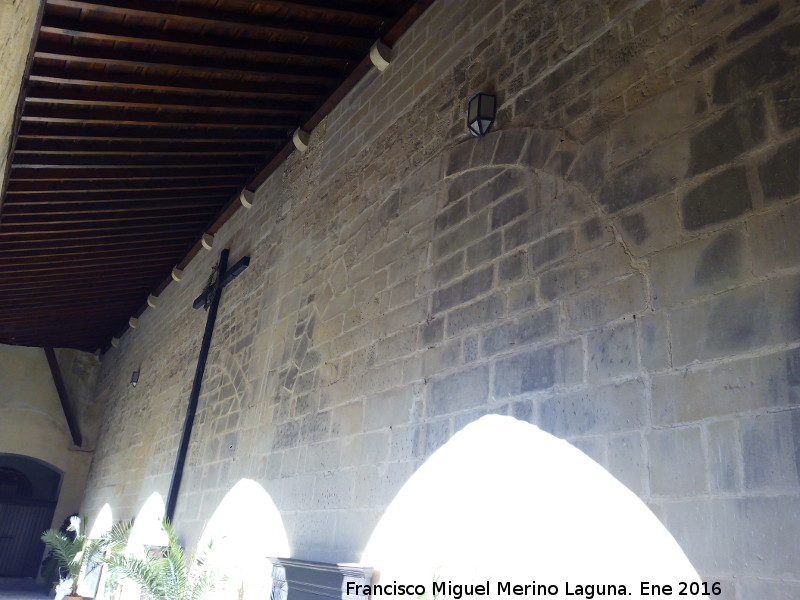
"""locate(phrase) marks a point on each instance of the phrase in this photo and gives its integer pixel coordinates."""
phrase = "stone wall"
(32, 422)
(17, 22)
(617, 264)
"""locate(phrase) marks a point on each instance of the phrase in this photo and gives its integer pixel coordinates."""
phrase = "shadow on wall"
(245, 529)
(504, 501)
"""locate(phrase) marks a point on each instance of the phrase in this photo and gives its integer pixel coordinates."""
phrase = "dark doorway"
(28, 495)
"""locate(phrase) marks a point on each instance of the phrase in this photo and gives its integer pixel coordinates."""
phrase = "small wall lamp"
(135, 378)
(480, 113)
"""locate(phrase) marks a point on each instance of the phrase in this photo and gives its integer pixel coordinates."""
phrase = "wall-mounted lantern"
(480, 114)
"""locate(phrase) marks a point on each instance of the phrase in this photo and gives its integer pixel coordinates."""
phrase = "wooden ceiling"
(140, 122)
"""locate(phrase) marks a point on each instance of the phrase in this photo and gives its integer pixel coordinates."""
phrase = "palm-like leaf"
(165, 577)
(74, 554)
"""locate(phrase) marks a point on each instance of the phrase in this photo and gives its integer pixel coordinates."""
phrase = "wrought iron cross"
(209, 299)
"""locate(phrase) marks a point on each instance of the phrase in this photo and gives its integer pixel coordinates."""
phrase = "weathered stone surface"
(512, 267)
(698, 268)
(475, 314)
(590, 165)
(603, 409)
(776, 244)
(770, 59)
(602, 305)
(510, 146)
(770, 450)
(520, 373)
(754, 23)
(645, 177)
(720, 198)
(612, 353)
(780, 175)
(452, 215)
(463, 290)
(550, 249)
(484, 250)
(641, 131)
(626, 461)
(732, 322)
(465, 183)
(509, 209)
(653, 226)
(466, 233)
(523, 330)
(597, 267)
(677, 461)
(786, 98)
(461, 390)
(739, 129)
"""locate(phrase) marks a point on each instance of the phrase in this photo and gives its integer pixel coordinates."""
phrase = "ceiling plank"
(103, 161)
(122, 116)
(184, 13)
(260, 138)
(116, 197)
(49, 94)
(186, 64)
(96, 77)
(111, 172)
(174, 38)
(47, 187)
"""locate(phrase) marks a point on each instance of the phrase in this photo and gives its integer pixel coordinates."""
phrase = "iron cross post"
(209, 299)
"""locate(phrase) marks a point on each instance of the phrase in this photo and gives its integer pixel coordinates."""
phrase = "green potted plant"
(73, 551)
(163, 573)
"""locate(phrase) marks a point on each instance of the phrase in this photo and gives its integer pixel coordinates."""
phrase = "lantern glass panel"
(480, 113)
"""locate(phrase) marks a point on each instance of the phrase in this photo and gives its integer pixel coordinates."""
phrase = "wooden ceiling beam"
(174, 231)
(204, 43)
(47, 319)
(116, 197)
(103, 161)
(162, 150)
(59, 173)
(96, 77)
(52, 219)
(31, 229)
(169, 118)
(200, 64)
(186, 14)
(47, 187)
(69, 286)
(32, 131)
(133, 264)
(47, 246)
(50, 94)
(63, 256)
(36, 214)
(104, 293)
(340, 7)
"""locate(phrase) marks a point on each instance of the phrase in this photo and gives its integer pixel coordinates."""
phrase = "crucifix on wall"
(209, 299)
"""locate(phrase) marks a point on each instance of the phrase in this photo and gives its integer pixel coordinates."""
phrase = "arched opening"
(245, 529)
(147, 532)
(148, 529)
(93, 578)
(504, 501)
(29, 491)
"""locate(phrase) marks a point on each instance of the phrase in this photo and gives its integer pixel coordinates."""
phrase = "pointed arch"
(245, 529)
(505, 501)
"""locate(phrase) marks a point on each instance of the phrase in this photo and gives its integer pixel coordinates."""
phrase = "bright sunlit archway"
(93, 578)
(147, 531)
(148, 528)
(244, 531)
(503, 501)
